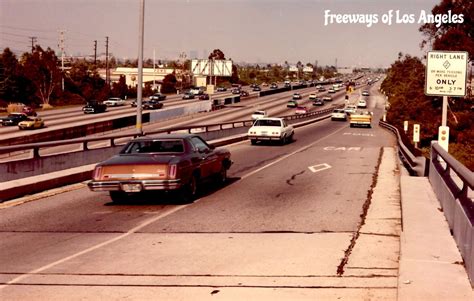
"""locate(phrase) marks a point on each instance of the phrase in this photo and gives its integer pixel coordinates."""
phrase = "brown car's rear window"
(154, 146)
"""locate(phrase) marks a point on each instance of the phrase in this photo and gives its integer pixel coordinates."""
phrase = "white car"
(365, 93)
(338, 114)
(362, 103)
(114, 102)
(271, 129)
(312, 96)
(259, 114)
(349, 109)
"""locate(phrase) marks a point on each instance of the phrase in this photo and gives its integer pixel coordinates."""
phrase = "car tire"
(189, 192)
(118, 196)
(222, 176)
(253, 141)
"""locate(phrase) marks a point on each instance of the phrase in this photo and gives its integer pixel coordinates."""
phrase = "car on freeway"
(166, 162)
(94, 106)
(301, 110)
(159, 96)
(31, 123)
(221, 89)
(114, 102)
(338, 114)
(318, 102)
(273, 86)
(197, 90)
(235, 91)
(312, 96)
(13, 119)
(296, 96)
(287, 84)
(204, 96)
(362, 104)
(365, 93)
(151, 105)
(256, 88)
(291, 104)
(259, 114)
(321, 89)
(331, 90)
(253, 85)
(349, 109)
(244, 93)
(188, 95)
(327, 98)
(29, 111)
(361, 118)
(271, 129)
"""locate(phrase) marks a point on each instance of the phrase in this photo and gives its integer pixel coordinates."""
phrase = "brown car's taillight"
(96, 173)
(172, 171)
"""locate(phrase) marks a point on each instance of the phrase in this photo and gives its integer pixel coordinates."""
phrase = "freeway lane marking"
(360, 134)
(319, 167)
(342, 148)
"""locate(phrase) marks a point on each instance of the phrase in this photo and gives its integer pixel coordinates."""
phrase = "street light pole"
(141, 30)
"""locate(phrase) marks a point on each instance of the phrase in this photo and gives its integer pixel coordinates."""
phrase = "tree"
(40, 67)
(451, 36)
(217, 54)
(169, 84)
(13, 85)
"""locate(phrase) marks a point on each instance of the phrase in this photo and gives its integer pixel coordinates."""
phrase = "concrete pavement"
(402, 251)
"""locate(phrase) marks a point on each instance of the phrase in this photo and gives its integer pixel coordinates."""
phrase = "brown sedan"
(175, 162)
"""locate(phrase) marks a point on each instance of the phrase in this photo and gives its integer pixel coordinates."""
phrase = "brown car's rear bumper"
(145, 185)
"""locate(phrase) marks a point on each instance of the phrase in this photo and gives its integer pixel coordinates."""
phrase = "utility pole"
(106, 60)
(33, 41)
(61, 46)
(95, 53)
(141, 38)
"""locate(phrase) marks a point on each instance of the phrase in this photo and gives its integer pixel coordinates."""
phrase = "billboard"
(293, 69)
(211, 67)
(308, 69)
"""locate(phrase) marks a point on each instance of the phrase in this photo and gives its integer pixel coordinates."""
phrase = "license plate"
(132, 187)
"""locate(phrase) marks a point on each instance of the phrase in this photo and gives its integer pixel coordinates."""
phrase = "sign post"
(446, 74)
(405, 126)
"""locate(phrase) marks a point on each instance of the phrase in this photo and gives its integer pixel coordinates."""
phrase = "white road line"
(149, 221)
(93, 248)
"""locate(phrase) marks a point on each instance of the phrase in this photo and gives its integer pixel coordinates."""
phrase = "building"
(131, 75)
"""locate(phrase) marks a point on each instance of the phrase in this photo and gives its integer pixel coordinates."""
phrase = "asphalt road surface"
(282, 224)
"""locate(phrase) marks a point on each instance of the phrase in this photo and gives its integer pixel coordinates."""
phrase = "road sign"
(443, 137)
(416, 133)
(212, 67)
(446, 73)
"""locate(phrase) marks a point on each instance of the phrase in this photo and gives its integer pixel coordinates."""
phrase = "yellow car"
(31, 123)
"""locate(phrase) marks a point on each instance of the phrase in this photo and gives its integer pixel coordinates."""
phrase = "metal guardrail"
(453, 184)
(416, 165)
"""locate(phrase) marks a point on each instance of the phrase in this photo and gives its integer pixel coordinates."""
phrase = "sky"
(252, 31)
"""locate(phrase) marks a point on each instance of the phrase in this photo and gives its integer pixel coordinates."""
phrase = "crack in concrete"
(293, 177)
(380, 234)
(365, 208)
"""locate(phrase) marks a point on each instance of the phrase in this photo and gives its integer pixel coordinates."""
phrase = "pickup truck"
(361, 118)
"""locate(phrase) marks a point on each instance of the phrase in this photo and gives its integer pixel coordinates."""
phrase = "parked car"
(188, 95)
(31, 123)
(271, 129)
(13, 119)
(167, 162)
(338, 114)
(259, 114)
(291, 104)
(158, 96)
(152, 105)
(204, 96)
(114, 102)
(301, 110)
(296, 96)
(93, 107)
(318, 102)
